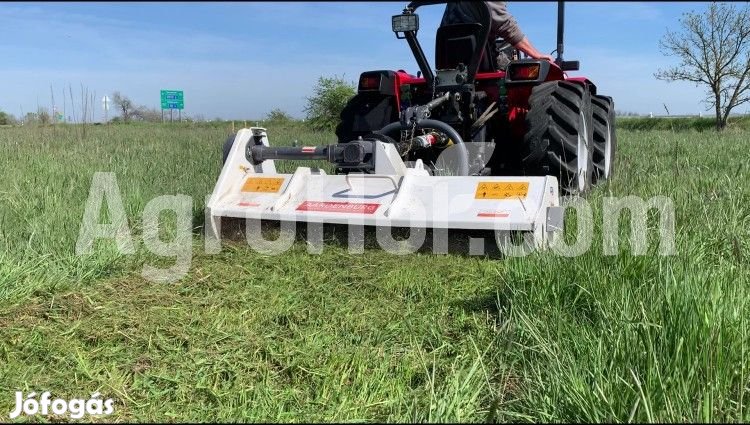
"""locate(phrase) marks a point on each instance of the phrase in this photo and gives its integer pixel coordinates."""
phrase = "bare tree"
(43, 116)
(126, 106)
(714, 51)
(146, 114)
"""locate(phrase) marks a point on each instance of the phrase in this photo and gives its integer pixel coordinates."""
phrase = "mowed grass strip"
(252, 338)
(372, 337)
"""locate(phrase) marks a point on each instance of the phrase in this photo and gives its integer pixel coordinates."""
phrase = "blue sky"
(240, 60)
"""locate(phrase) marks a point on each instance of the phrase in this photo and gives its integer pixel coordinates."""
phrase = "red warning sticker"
(248, 204)
(308, 149)
(498, 214)
(339, 207)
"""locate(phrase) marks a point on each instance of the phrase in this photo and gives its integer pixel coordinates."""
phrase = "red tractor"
(538, 120)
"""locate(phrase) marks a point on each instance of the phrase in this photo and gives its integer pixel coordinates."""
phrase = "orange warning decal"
(339, 207)
(502, 190)
(262, 184)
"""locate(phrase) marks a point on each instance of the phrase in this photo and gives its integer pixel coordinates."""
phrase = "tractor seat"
(457, 43)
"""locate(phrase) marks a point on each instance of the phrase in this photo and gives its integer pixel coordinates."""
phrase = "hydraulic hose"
(452, 134)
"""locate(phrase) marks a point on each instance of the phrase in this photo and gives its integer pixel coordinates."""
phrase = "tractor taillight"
(369, 82)
(524, 71)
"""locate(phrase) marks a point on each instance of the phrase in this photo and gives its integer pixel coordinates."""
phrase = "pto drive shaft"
(352, 153)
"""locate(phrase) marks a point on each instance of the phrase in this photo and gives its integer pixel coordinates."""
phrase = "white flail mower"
(415, 151)
(375, 187)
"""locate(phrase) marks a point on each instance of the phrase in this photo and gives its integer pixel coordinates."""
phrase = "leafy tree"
(330, 95)
(714, 51)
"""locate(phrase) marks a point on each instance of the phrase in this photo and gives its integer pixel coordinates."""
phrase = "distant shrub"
(146, 114)
(278, 115)
(678, 124)
(6, 118)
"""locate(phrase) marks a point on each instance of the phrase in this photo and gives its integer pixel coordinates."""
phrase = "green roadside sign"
(172, 99)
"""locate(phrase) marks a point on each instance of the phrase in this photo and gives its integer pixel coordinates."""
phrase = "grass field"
(343, 337)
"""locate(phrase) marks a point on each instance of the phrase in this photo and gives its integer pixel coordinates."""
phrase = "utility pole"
(54, 109)
(105, 106)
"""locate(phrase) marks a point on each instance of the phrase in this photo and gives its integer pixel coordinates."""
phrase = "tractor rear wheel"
(559, 136)
(227, 147)
(605, 140)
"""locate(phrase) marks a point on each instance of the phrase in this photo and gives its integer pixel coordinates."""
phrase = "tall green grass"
(48, 174)
(344, 337)
(699, 124)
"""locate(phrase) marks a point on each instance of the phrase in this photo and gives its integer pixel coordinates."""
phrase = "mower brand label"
(247, 204)
(308, 149)
(338, 207)
(262, 184)
(502, 190)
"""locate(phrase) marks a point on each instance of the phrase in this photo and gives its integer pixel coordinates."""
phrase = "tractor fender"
(584, 81)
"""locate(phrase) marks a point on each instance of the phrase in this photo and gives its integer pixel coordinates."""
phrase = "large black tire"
(605, 139)
(363, 114)
(559, 135)
(227, 147)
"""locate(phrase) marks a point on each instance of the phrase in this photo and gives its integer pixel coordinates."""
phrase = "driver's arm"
(504, 25)
(525, 46)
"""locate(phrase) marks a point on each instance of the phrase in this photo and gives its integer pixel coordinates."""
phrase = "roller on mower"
(479, 143)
